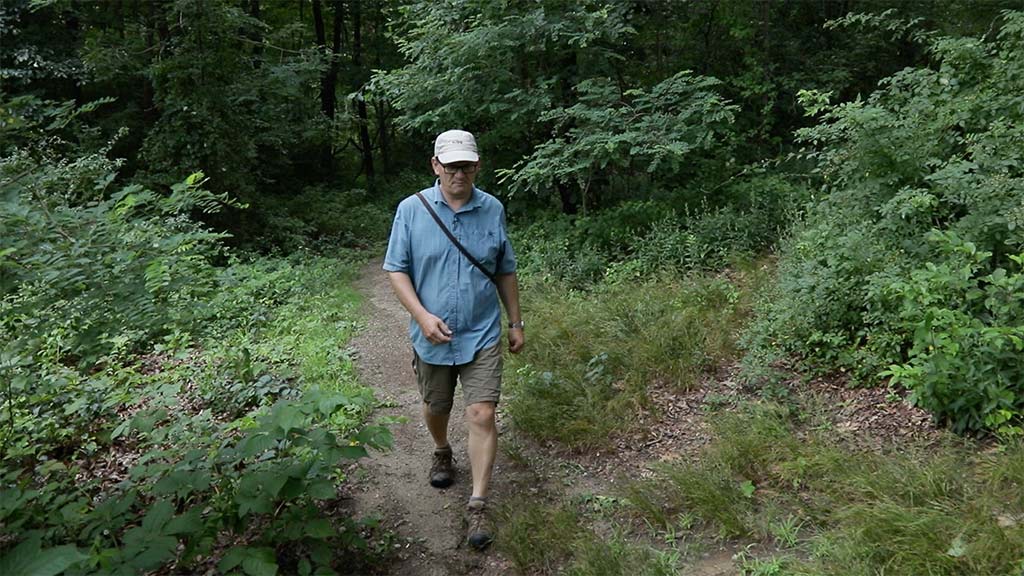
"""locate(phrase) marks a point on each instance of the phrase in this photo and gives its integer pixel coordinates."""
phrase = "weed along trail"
(422, 527)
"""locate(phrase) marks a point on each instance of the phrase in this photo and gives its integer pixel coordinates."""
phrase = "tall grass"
(942, 510)
(542, 539)
(592, 355)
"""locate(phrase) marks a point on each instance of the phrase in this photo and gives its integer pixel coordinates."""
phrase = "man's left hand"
(516, 339)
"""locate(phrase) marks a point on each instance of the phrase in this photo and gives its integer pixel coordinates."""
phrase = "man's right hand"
(435, 330)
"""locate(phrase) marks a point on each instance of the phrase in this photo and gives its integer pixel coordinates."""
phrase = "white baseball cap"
(455, 146)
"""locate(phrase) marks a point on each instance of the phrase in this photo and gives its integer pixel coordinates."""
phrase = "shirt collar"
(475, 199)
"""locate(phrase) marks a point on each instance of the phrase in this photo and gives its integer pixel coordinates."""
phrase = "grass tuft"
(592, 355)
(937, 510)
(536, 537)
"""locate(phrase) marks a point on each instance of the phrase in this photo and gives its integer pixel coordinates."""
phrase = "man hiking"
(449, 261)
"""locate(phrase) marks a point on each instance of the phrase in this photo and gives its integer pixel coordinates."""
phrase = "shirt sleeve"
(507, 265)
(397, 257)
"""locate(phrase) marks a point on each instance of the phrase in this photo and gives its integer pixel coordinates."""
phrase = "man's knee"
(439, 407)
(480, 413)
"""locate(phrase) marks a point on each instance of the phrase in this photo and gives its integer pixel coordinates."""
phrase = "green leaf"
(256, 443)
(158, 515)
(190, 522)
(156, 552)
(232, 558)
(288, 417)
(28, 559)
(260, 562)
(320, 528)
(352, 452)
(322, 490)
(747, 489)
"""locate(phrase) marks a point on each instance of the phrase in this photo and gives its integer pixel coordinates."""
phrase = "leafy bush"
(84, 276)
(967, 327)
(934, 151)
(126, 448)
(653, 132)
(162, 468)
(638, 240)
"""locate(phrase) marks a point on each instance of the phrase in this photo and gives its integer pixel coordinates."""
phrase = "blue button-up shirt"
(447, 284)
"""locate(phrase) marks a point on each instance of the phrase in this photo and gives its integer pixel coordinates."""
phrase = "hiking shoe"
(441, 471)
(480, 532)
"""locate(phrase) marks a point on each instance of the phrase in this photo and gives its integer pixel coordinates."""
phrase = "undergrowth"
(593, 354)
(831, 510)
(220, 446)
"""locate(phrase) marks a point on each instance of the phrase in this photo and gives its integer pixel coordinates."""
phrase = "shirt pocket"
(487, 244)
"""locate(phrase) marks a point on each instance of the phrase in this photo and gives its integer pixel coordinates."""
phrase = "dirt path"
(393, 486)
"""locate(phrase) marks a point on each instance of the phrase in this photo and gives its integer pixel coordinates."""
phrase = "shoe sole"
(441, 483)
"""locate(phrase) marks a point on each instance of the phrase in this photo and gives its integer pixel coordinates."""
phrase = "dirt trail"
(430, 536)
(393, 486)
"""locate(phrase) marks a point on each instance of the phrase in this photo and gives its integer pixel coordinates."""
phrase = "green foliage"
(939, 509)
(593, 355)
(82, 282)
(29, 558)
(549, 539)
(321, 216)
(967, 323)
(608, 132)
(127, 448)
(526, 525)
(210, 447)
(495, 66)
(636, 240)
(933, 154)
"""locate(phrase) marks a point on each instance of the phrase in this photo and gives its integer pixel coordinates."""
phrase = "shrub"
(638, 240)
(80, 282)
(967, 327)
(934, 151)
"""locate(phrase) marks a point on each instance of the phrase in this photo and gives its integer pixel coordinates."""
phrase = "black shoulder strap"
(448, 233)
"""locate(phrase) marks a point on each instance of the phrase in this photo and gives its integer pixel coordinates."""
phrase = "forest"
(770, 255)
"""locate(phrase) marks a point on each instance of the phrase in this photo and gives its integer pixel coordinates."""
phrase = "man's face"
(457, 177)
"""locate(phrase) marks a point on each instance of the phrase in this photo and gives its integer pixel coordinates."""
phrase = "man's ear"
(435, 166)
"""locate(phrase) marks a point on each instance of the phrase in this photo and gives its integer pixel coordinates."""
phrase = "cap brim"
(458, 156)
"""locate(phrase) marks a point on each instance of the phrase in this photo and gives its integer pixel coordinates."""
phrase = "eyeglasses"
(466, 169)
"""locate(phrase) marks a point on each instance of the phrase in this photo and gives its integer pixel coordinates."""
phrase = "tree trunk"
(565, 195)
(256, 36)
(568, 65)
(380, 106)
(327, 81)
(357, 59)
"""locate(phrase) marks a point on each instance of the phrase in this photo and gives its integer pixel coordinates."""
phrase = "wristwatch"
(519, 325)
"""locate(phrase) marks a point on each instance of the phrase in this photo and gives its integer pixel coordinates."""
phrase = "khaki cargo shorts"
(480, 378)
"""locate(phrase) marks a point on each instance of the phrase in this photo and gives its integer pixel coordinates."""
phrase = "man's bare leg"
(437, 424)
(482, 444)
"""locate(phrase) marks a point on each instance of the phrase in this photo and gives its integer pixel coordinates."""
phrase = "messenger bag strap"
(448, 233)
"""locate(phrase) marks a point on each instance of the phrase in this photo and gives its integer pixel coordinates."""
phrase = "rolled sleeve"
(507, 264)
(397, 257)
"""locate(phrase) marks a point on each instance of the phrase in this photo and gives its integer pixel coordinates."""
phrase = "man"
(456, 320)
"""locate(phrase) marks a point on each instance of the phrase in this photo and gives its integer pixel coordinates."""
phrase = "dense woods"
(797, 189)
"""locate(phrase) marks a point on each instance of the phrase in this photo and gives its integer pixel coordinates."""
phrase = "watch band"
(519, 324)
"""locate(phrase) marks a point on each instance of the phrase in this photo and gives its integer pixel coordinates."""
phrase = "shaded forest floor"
(422, 527)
